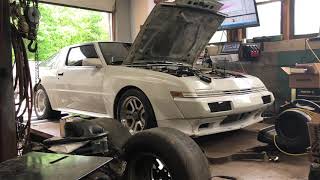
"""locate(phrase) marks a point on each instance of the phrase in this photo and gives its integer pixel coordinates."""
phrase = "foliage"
(64, 26)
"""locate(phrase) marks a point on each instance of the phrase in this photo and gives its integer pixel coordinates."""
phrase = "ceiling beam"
(96, 5)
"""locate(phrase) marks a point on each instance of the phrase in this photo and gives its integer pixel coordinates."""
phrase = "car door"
(80, 82)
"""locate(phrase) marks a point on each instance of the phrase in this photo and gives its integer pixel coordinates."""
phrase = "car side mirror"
(96, 62)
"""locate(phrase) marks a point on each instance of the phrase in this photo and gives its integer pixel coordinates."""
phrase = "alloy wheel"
(132, 114)
(147, 166)
(40, 102)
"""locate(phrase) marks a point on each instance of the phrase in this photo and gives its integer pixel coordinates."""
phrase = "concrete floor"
(225, 144)
(289, 168)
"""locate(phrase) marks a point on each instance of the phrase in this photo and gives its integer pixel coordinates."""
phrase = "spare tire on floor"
(292, 131)
(164, 154)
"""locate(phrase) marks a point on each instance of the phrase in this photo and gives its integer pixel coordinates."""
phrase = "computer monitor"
(241, 14)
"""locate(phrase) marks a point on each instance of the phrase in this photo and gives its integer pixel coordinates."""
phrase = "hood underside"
(176, 32)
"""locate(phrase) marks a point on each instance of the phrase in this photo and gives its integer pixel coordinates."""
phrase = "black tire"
(150, 120)
(292, 131)
(180, 155)
(48, 113)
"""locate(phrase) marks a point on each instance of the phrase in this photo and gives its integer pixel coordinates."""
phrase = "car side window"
(77, 55)
(51, 61)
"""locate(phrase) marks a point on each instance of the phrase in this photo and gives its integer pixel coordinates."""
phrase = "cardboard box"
(304, 75)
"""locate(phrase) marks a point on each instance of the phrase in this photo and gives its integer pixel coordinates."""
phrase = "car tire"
(292, 131)
(140, 119)
(180, 156)
(41, 101)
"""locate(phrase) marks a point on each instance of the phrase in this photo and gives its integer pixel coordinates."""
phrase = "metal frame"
(65, 5)
(267, 2)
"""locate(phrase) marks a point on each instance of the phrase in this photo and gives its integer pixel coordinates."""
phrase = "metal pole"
(7, 111)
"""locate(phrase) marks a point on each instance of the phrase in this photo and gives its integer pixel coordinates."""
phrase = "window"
(51, 62)
(219, 36)
(306, 17)
(63, 26)
(114, 53)
(78, 55)
(270, 19)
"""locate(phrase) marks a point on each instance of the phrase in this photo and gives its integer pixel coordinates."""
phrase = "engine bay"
(187, 71)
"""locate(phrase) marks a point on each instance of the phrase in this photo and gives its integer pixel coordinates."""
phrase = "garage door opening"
(63, 26)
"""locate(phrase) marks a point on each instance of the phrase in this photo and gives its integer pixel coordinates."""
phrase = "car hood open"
(176, 31)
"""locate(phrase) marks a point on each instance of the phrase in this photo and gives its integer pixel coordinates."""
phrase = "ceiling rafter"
(97, 5)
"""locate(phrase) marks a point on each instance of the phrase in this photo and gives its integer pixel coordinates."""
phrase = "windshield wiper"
(202, 77)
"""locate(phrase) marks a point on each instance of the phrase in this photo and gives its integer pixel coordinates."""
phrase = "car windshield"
(50, 61)
(114, 53)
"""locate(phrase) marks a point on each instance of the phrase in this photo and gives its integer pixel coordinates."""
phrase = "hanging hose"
(23, 86)
(25, 18)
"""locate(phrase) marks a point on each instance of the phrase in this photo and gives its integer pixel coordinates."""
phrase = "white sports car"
(152, 82)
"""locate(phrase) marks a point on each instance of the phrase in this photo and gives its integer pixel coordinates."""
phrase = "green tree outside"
(64, 26)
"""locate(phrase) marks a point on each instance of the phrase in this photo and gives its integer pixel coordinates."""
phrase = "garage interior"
(246, 107)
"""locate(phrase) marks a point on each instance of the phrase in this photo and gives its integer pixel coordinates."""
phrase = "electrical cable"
(23, 87)
(308, 44)
(24, 25)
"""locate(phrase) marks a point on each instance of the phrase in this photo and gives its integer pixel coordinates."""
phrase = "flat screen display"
(241, 14)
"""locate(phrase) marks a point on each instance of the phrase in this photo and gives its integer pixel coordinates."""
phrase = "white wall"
(129, 16)
(122, 24)
(139, 11)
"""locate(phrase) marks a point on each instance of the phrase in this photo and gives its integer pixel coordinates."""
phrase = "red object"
(254, 53)
(157, 1)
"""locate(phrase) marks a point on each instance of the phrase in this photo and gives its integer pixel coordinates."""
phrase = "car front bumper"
(199, 118)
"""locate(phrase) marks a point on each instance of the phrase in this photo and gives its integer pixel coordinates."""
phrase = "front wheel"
(42, 105)
(135, 111)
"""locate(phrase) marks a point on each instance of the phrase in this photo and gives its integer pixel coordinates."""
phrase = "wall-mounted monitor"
(241, 14)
